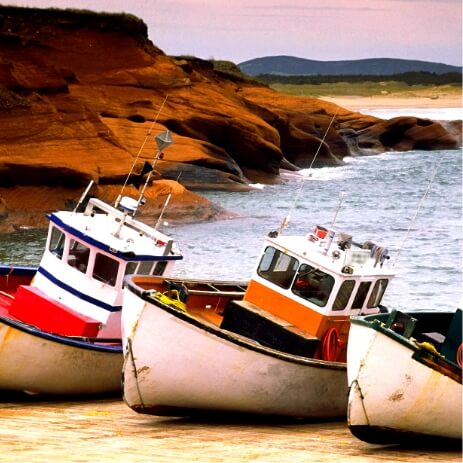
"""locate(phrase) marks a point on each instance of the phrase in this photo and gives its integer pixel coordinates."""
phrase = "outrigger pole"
(83, 196)
(148, 133)
(285, 221)
(428, 189)
(163, 140)
(129, 205)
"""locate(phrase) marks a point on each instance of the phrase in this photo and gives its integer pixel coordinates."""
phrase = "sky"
(325, 30)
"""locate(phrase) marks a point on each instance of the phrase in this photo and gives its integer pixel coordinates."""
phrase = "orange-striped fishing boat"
(275, 345)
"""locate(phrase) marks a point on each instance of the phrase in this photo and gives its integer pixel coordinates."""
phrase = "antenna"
(428, 189)
(148, 133)
(285, 221)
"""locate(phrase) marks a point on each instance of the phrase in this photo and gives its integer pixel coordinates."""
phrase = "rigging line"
(285, 222)
(148, 133)
(428, 189)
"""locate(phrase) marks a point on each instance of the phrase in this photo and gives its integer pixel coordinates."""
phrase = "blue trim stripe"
(18, 270)
(82, 343)
(74, 292)
(128, 256)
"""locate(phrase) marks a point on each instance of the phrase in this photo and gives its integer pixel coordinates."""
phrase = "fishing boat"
(404, 373)
(273, 346)
(60, 324)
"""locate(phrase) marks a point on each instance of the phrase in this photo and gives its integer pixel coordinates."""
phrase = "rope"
(330, 345)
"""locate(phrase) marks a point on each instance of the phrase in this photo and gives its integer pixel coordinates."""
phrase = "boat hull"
(42, 363)
(396, 397)
(177, 365)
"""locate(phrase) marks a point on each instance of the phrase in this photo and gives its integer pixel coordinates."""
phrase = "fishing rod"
(342, 195)
(148, 133)
(165, 205)
(285, 221)
(428, 189)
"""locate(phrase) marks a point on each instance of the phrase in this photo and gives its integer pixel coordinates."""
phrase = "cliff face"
(82, 96)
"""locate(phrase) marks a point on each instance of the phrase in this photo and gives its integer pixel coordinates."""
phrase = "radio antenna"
(285, 221)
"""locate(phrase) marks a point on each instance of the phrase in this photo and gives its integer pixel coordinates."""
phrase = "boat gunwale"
(71, 341)
(234, 338)
(424, 356)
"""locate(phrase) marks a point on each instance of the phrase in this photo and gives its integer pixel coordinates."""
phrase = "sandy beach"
(107, 431)
(397, 101)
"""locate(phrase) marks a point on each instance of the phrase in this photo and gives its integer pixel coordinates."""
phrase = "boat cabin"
(88, 254)
(316, 282)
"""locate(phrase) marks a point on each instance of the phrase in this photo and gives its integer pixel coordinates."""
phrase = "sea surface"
(410, 202)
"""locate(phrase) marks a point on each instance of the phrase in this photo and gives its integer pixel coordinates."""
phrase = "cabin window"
(313, 285)
(377, 294)
(145, 266)
(361, 295)
(343, 296)
(78, 255)
(131, 268)
(56, 245)
(105, 269)
(277, 267)
(160, 268)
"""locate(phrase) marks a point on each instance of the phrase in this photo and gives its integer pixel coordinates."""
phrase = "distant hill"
(291, 65)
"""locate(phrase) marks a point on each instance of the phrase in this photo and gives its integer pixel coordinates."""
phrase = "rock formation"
(82, 96)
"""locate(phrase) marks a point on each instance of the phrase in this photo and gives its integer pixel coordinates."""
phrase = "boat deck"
(106, 430)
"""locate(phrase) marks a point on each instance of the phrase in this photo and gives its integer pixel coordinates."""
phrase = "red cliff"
(81, 93)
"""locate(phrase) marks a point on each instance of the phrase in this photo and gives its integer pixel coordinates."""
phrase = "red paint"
(32, 306)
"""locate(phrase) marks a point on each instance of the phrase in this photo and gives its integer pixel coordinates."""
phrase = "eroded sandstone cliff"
(82, 96)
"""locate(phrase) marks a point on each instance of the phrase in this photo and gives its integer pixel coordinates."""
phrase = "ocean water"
(410, 202)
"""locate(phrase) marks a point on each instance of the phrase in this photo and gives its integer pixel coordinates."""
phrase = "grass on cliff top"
(367, 89)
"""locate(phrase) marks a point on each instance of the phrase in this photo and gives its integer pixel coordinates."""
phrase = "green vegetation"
(228, 66)
(72, 18)
(366, 89)
(407, 84)
(409, 78)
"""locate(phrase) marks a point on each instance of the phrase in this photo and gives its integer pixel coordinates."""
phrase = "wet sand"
(106, 430)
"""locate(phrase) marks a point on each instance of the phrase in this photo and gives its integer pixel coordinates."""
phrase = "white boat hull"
(41, 363)
(175, 365)
(394, 397)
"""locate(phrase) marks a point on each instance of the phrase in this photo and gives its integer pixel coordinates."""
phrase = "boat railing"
(202, 292)
(201, 288)
(96, 204)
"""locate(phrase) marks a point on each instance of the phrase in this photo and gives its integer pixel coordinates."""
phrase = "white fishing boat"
(404, 373)
(60, 324)
(273, 346)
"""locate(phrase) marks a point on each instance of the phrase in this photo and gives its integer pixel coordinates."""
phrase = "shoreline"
(396, 102)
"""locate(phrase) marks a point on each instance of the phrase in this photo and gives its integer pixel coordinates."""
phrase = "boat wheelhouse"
(275, 345)
(88, 254)
(316, 282)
